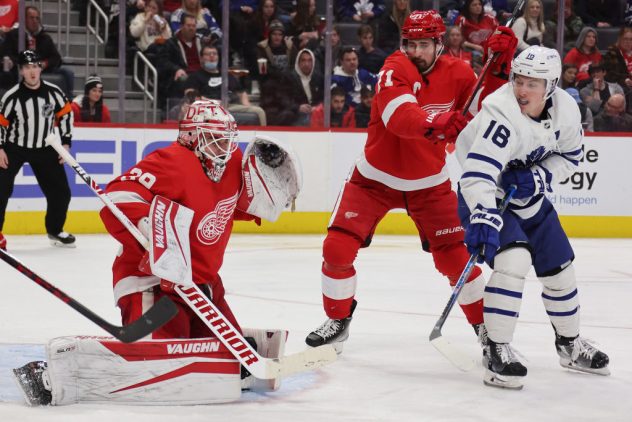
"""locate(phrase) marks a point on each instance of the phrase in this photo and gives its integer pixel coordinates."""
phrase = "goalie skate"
(34, 384)
(579, 355)
(332, 331)
(504, 370)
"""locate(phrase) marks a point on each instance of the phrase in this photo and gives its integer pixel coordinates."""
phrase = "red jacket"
(318, 117)
(582, 61)
(76, 111)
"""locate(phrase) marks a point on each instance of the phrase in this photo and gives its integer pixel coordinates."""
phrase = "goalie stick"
(205, 309)
(453, 354)
(154, 318)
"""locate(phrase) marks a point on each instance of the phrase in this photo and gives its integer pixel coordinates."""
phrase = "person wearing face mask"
(208, 82)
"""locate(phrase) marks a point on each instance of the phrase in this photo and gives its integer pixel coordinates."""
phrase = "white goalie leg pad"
(270, 344)
(272, 178)
(503, 293)
(561, 301)
(472, 291)
(155, 372)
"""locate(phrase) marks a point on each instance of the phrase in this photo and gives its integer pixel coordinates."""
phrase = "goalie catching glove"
(272, 178)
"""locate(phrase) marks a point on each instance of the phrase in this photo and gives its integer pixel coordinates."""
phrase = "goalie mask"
(422, 24)
(209, 130)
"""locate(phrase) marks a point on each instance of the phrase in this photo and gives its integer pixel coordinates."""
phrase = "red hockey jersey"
(396, 153)
(175, 173)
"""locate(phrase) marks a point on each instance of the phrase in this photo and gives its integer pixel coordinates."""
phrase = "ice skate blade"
(59, 244)
(493, 379)
(565, 363)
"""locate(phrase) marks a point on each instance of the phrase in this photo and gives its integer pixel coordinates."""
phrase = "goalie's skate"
(62, 240)
(332, 331)
(34, 383)
(579, 355)
(504, 370)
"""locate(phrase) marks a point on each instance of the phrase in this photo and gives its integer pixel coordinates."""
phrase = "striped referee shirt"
(28, 116)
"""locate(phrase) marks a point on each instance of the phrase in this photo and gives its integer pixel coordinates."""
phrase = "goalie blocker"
(153, 372)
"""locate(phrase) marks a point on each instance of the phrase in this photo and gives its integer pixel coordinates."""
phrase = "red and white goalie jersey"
(396, 153)
(175, 173)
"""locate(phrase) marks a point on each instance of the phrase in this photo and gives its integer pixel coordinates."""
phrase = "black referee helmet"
(28, 57)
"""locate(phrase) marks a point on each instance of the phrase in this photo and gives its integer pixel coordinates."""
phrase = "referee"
(28, 114)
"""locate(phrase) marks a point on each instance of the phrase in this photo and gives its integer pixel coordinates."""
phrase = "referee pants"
(49, 174)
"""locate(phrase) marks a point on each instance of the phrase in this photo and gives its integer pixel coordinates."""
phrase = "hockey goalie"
(184, 199)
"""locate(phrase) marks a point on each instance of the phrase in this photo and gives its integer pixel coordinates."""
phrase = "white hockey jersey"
(500, 137)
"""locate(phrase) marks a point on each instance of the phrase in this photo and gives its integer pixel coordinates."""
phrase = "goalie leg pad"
(561, 301)
(154, 372)
(503, 293)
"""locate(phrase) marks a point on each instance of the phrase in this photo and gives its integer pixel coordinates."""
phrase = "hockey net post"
(454, 354)
(206, 310)
(154, 318)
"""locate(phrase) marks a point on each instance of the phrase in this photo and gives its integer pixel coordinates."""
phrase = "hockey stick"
(517, 9)
(155, 317)
(205, 309)
(453, 354)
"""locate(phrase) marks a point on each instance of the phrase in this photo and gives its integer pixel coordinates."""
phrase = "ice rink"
(388, 371)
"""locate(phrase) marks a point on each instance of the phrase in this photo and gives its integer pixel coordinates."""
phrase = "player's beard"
(422, 65)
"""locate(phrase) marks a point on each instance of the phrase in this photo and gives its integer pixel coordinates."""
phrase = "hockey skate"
(333, 331)
(34, 383)
(62, 240)
(503, 369)
(579, 355)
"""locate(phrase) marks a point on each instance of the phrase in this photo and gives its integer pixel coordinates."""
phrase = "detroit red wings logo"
(212, 226)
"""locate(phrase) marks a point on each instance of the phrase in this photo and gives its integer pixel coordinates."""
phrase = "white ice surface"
(388, 371)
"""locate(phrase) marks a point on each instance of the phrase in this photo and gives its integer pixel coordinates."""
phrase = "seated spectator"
(364, 11)
(205, 23)
(342, 114)
(179, 58)
(572, 26)
(529, 28)
(258, 31)
(150, 26)
(390, 26)
(584, 53)
(208, 82)
(599, 13)
(351, 78)
(363, 111)
(370, 58)
(279, 51)
(597, 92)
(8, 17)
(569, 74)
(303, 27)
(89, 107)
(277, 99)
(336, 46)
(587, 116)
(618, 59)
(37, 39)
(475, 25)
(454, 45)
(613, 117)
(307, 85)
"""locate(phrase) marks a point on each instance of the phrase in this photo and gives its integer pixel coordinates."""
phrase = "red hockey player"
(181, 364)
(416, 112)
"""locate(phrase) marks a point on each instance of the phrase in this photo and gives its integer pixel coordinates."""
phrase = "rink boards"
(596, 201)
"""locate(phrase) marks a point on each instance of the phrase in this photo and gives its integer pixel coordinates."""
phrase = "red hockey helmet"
(209, 129)
(423, 24)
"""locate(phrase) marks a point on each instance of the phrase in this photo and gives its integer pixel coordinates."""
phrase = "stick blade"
(453, 354)
(307, 360)
(157, 316)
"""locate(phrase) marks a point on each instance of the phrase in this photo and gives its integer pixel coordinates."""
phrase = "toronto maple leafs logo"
(537, 155)
(212, 226)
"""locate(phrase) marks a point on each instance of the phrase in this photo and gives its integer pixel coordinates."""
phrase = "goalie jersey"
(500, 137)
(175, 173)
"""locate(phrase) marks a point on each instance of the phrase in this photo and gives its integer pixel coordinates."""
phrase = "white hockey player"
(528, 134)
